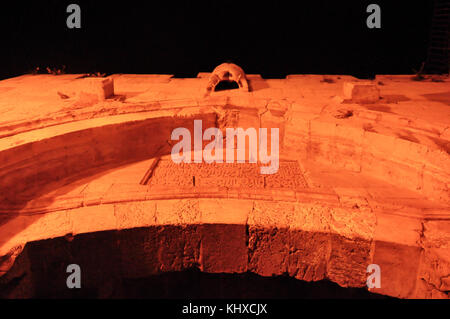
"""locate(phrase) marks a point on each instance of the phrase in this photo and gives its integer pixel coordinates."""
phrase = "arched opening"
(226, 85)
(122, 265)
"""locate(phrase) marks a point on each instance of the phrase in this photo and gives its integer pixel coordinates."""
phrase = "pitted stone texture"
(361, 92)
(178, 212)
(309, 242)
(230, 175)
(386, 160)
(129, 215)
(89, 90)
(433, 279)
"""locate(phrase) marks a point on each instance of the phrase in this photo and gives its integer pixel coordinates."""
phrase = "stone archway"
(227, 72)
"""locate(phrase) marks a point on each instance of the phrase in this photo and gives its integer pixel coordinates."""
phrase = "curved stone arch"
(227, 72)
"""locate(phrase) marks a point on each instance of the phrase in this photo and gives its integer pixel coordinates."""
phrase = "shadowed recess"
(36, 276)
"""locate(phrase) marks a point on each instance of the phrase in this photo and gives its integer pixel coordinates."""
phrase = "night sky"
(183, 38)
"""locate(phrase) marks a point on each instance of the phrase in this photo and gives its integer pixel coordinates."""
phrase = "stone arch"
(229, 72)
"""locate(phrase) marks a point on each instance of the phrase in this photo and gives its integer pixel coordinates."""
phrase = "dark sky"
(271, 38)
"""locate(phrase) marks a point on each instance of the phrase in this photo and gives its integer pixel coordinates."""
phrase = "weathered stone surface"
(90, 90)
(227, 72)
(230, 175)
(368, 188)
(361, 92)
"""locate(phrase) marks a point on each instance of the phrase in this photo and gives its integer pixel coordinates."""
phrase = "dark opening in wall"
(121, 264)
(226, 85)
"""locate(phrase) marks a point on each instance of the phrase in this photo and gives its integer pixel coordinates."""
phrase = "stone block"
(92, 219)
(223, 248)
(89, 89)
(361, 92)
(102, 87)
